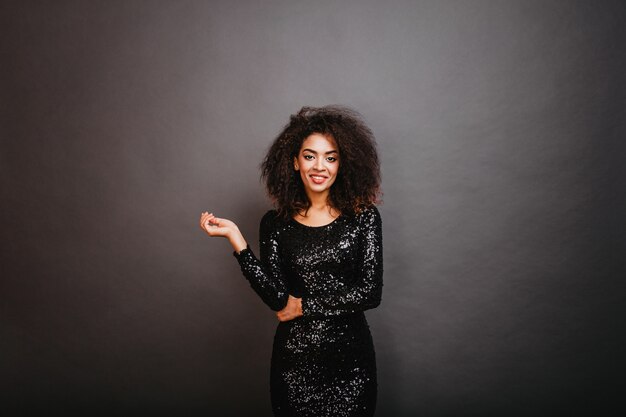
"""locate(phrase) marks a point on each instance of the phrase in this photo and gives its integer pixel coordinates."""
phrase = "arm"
(265, 275)
(366, 292)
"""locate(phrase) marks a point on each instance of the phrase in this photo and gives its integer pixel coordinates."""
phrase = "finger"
(202, 221)
(207, 226)
(208, 218)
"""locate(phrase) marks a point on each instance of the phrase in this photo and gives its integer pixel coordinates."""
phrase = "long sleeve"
(265, 275)
(366, 292)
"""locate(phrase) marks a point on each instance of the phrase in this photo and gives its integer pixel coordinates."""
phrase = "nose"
(318, 164)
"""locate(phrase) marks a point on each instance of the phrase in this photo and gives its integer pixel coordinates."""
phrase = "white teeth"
(318, 179)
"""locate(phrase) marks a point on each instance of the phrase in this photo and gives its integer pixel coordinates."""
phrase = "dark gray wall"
(500, 127)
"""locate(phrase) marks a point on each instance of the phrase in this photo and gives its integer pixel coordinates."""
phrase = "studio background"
(500, 127)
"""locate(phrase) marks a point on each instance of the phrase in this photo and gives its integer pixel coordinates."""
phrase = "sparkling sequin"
(323, 363)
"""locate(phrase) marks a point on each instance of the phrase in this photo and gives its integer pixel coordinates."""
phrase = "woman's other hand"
(292, 310)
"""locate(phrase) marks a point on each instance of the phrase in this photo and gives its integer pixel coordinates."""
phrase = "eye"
(307, 157)
(332, 158)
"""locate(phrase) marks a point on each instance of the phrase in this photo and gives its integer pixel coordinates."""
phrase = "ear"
(295, 164)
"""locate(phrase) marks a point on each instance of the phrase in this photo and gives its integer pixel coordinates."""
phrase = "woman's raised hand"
(215, 226)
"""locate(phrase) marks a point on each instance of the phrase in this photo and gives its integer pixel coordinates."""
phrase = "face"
(318, 163)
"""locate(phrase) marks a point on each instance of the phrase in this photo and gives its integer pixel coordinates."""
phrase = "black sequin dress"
(323, 363)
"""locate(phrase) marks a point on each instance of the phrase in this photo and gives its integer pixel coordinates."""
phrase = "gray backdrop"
(500, 127)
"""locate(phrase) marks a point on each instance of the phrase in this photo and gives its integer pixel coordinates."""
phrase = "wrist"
(237, 241)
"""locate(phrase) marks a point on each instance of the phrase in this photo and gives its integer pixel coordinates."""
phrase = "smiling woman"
(356, 184)
(318, 163)
(320, 264)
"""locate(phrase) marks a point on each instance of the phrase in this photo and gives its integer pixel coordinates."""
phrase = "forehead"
(320, 143)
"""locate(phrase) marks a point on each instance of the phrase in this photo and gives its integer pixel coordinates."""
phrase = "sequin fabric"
(323, 363)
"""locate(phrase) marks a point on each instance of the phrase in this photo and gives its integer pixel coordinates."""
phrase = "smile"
(318, 179)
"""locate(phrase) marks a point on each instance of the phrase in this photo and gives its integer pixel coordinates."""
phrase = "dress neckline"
(317, 227)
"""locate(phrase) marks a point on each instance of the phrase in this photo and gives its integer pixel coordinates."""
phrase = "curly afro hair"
(358, 181)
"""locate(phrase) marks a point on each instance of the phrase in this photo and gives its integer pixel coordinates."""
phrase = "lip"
(318, 179)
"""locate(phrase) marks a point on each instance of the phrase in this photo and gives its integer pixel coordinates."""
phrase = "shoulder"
(271, 220)
(369, 216)
(270, 215)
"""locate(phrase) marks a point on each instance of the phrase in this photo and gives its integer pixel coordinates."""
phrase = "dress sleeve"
(366, 292)
(265, 275)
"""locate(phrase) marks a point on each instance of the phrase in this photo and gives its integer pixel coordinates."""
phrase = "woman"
(320, 262)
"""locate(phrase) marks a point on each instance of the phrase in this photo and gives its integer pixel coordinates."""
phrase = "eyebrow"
(311, 150)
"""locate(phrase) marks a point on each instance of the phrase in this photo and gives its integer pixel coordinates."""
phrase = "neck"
(319, 201)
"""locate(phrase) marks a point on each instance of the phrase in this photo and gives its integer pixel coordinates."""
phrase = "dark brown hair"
(357, 185)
